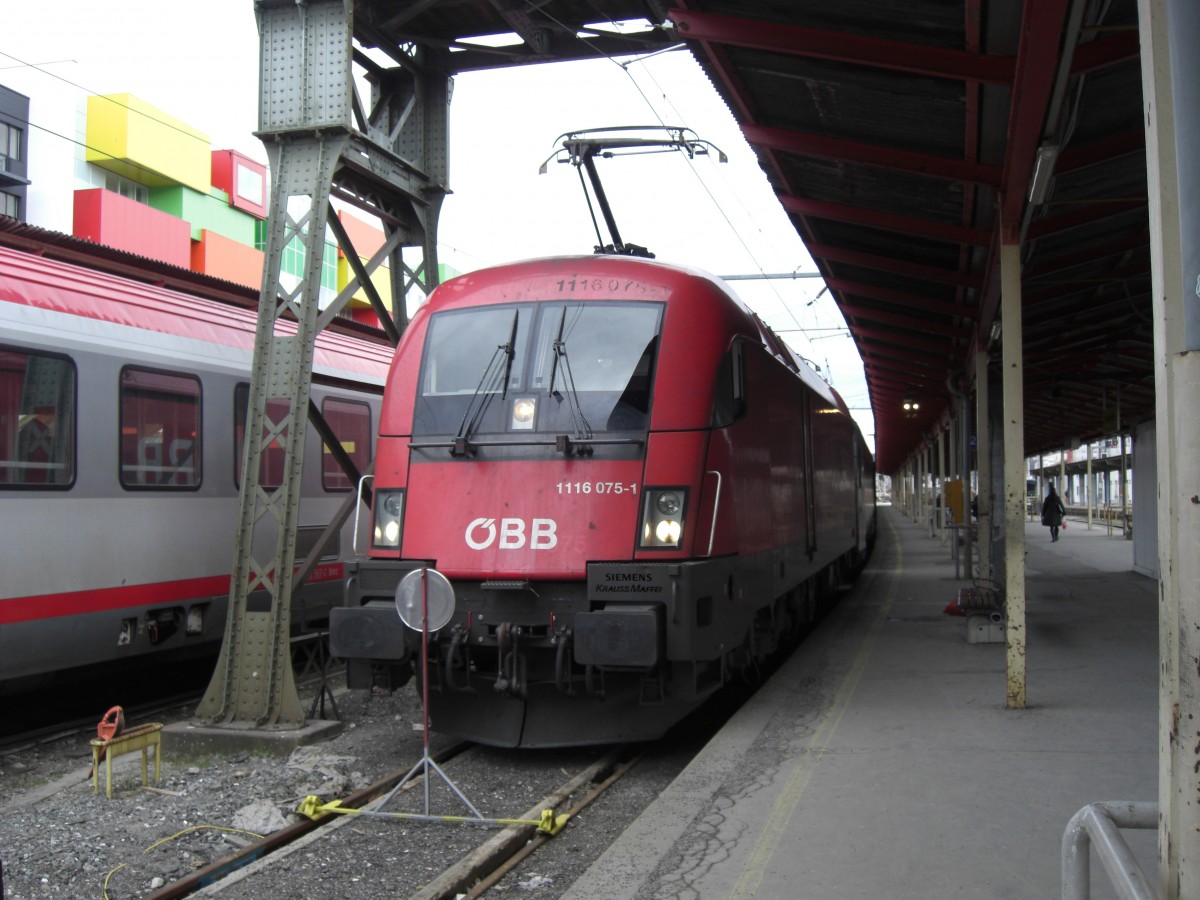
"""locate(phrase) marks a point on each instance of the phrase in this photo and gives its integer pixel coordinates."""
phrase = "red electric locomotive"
(634, 488)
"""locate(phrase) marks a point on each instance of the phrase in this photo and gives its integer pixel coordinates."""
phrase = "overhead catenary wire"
(86, 146)
(29, 123)
(189, 133)
(625, 67)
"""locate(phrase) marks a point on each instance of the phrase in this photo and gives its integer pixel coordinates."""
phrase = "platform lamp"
(1043, 169)
(911, 407)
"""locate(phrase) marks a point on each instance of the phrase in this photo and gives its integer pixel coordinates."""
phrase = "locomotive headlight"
(662, 518)
(523, 411)
(389, 519)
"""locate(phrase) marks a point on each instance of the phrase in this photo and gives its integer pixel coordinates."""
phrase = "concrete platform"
(882, 762)
(189, 740)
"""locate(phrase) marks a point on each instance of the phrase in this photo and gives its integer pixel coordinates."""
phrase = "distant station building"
(14, 128)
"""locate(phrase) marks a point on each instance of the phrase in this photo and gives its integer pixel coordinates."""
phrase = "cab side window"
(729, 397)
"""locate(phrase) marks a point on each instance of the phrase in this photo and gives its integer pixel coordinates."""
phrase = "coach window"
(160, 430)
(270, 467)
(37, 420)
(351, 423)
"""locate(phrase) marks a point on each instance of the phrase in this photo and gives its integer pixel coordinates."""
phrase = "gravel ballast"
(59, 839)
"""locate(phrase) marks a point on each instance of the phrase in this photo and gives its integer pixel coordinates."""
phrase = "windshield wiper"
(487, 387)
(583, 430)
(510, 349)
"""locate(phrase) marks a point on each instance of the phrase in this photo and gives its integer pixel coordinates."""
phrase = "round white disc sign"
(438, 600)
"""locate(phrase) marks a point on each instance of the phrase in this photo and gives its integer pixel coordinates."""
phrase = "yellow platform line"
(806, 763)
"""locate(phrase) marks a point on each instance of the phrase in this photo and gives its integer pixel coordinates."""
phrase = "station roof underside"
(907, 139)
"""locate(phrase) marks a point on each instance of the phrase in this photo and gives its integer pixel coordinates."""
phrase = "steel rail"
(541, 838)
(476, 870)
(220, 868)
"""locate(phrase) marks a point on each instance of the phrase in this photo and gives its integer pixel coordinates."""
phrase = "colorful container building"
(152, 185)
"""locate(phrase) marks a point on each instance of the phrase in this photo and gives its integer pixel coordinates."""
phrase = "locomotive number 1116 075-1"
(597, 487)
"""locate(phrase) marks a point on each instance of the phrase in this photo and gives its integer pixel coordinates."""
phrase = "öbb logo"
(542, 534)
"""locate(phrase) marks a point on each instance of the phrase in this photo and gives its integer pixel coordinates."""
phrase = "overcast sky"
(199, 63)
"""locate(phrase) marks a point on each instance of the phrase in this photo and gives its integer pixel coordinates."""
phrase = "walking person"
(1052, 513)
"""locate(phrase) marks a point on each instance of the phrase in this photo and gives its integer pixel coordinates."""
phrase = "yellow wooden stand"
(141, 737)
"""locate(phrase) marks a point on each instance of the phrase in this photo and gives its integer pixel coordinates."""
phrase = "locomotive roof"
(548, 268)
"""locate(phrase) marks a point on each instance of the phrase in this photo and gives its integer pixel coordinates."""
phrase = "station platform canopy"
(907, 139)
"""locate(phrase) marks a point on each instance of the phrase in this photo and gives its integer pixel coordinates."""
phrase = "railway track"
(470, 876)
(600, 782)
(182, 836)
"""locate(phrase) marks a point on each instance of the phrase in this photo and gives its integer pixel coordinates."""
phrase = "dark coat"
(1052, 510)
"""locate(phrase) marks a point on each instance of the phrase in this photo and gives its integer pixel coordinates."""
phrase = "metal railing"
(1099, 824)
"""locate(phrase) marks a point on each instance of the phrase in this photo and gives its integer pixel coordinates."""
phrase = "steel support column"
(305, 54)
(963, 458)
(1043, 484)
(939, 488)
(926, 491)
(1170, 73)
(906, 480)
(1089, 495)
(388, 159)
(1123, 485)
(983, 451)
(919, 486)
(1014, 471)
(255, 670)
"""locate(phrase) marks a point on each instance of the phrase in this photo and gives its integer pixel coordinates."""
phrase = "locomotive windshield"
(459, 345)
(556, 368)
